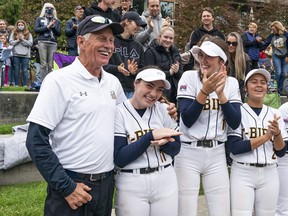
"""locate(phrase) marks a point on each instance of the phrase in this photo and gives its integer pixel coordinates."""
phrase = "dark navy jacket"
(45, 34)
(71, 33)
(157, 55)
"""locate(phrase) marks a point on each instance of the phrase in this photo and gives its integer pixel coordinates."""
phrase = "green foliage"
(23, 199)
(10, 10)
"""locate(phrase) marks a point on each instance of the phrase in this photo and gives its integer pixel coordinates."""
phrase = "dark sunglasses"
(231, 43)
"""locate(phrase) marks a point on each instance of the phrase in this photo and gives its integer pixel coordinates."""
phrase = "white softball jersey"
(129, 124)
(211, 124)
(253, 126)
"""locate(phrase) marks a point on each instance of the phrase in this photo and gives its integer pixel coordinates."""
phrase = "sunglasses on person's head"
(95, 19)
(101, 20)
(231, 43)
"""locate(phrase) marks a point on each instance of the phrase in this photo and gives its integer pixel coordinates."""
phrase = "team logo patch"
(113, 95)
(183, 88)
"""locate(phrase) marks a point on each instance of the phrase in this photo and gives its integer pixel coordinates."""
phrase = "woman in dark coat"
(163, 53)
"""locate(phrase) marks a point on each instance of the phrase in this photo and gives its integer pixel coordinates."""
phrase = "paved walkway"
(202, 209)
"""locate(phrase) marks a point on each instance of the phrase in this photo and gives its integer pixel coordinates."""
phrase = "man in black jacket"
(103, 8)
(71, 30)
(207, 18)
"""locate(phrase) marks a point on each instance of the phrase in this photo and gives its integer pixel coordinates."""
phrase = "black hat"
(96, 23)
(132, 15)
(79, 7)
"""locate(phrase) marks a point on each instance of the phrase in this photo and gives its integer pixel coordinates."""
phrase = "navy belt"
(205, 143)
(89, 177)
(255, 164)
(146, 170)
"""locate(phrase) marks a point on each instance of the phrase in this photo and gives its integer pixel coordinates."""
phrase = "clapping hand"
(132, 66)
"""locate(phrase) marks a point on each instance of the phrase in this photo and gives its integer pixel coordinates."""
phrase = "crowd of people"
(113, 109)
(245, 52)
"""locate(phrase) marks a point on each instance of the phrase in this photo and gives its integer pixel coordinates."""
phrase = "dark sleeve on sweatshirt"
(195, 38)
(190, 110)
(267, 42)
(232, 114)
(46, 160)
(238, 146)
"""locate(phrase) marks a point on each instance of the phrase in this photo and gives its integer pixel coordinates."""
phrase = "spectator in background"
(240, 62)
(154, 21)
(48, 28)
(252, 43)
(128, 55)
(71, 30)
(37, 63)
(125, 5)
(6, 64)
(207, 18)
(103, 8)
(22, 41)
(163, 53)
(278, 40)
(3, 27)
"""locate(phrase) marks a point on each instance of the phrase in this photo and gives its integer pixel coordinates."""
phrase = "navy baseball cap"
(96, 23)
(132, 15)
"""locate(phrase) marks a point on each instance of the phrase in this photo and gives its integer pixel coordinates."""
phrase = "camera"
(74, 19)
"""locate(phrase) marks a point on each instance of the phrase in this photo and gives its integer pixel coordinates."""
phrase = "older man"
(154, 21)
(75, 109)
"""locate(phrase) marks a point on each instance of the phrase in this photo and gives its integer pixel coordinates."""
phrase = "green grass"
(7, 128)
(13, 88)
(22, 199)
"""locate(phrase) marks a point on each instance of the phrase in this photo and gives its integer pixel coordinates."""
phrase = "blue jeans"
(23, 63)
(281, 69)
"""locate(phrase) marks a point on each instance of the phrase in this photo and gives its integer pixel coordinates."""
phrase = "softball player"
(254, 148)
(143, 150)
(208, 101)
(282, 206)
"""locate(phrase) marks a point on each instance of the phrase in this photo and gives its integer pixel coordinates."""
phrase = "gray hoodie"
(146, 35)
